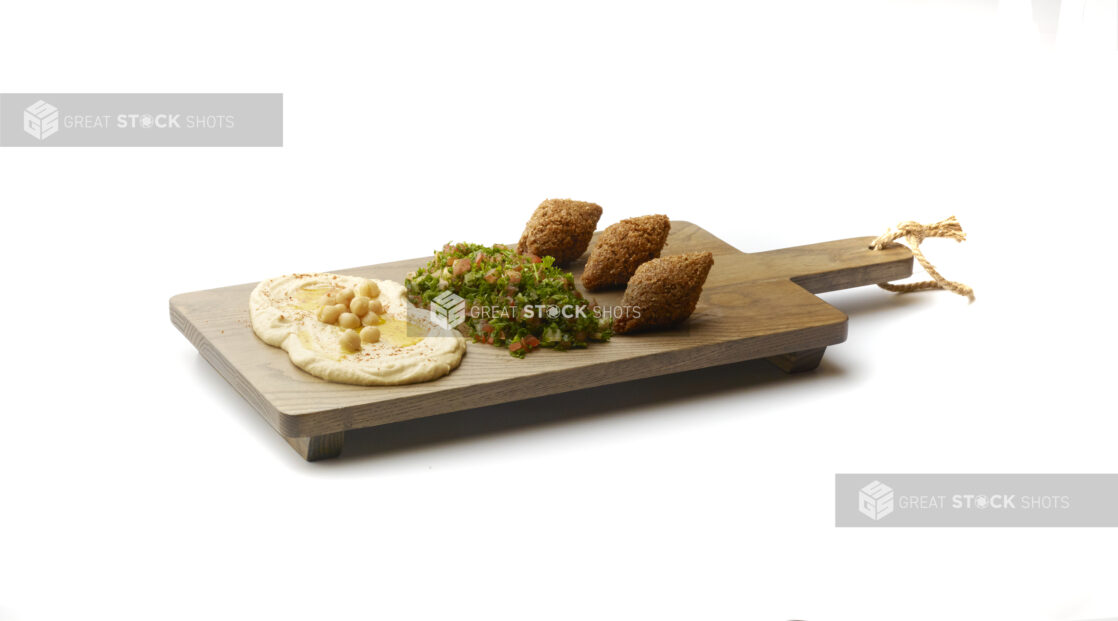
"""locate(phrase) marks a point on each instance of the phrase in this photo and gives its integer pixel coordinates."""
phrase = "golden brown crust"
(663, 292)
(560, 228)
(622, 248)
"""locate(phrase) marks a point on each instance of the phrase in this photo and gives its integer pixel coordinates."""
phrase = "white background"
(136, 484)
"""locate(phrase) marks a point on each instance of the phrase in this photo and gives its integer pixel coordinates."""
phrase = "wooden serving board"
(755, 305)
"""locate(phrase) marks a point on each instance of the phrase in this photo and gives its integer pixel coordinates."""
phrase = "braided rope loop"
(915, 233)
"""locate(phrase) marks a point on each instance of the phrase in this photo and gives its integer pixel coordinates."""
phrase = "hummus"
(398, 344)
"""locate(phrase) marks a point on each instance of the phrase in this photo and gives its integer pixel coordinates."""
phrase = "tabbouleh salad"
(522, 302)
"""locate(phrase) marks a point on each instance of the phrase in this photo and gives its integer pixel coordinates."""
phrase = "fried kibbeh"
(622, 248)
(663, 292)
(560, 228)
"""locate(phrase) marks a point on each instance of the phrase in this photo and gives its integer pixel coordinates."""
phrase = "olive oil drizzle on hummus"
(402, 346)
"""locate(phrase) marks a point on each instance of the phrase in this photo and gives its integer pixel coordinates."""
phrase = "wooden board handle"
(828, 266)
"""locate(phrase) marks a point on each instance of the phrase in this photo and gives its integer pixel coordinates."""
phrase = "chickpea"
(370, 334)
(349, 321)
(330, 314)
(368, 289)
(376, 307)
(346, 296)
(350, 340)
(359, 306)
(370, 319)
(330, 299)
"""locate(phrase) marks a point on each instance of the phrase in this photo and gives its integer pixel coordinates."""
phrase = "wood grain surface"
(755, 305)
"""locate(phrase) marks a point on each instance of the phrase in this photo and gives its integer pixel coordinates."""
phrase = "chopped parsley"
(517, 301)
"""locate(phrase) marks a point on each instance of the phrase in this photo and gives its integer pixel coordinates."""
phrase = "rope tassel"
(915, 233)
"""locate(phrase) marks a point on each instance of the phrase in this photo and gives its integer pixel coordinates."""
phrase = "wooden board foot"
(314, 448)
(800, 361)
